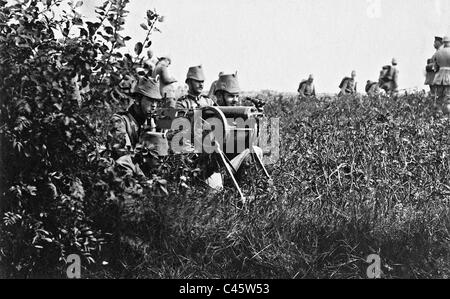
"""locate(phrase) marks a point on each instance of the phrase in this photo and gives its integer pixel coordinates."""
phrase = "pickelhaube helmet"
(195, 73)
(148, 87)
(228, 83)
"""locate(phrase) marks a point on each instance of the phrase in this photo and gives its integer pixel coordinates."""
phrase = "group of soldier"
(137, 127)
(388, 81)
(437, 78)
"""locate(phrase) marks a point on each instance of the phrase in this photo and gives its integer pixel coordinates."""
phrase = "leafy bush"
(60, 78)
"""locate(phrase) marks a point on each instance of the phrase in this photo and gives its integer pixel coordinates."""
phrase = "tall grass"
(357, 176)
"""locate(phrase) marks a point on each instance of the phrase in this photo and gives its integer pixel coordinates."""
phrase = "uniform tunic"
(307, 89)
(349, 87)
(442, 78)
(372, 88)
(442, 58)
(431, 69)
(192, 102)
(125, 133)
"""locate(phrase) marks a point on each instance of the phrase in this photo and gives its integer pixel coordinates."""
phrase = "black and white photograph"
(224, 145)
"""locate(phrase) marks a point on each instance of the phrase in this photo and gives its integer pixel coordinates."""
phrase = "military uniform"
(431, 70)
(123, 137)
(193, 102)
(348, 86)
(442, 78)
(389, 78)
(307, 89)
(372, 88)
(128, 129)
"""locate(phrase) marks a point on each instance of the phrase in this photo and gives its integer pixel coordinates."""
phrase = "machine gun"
(231, 132)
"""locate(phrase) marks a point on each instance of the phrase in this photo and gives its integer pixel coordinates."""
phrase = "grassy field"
(357, 176)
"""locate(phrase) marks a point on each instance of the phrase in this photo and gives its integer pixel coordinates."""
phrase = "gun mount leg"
(230, 172)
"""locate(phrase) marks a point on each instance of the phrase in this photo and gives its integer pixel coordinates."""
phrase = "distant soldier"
(442, 78)
(348, 85)
(306, 88)
(212, 89)
(389, 78)
(166, 82)
(133, 126)
(431, 67)
(228, 90)
(372, 88)
(194, 99)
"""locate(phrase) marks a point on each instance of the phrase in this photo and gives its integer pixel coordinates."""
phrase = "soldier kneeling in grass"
(136, 127)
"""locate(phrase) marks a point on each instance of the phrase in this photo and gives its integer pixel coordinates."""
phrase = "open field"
(356, 177)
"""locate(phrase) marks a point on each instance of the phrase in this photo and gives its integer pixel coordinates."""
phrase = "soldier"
(348, 85)
(194, 99)
(227, 93)
(166, 82)
(228, 90)
(306, 88)
(372, 88)
(431, 67)
(442, 78)
(128, 128)
(389, 78)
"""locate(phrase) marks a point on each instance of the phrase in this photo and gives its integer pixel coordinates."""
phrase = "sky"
(274, 44)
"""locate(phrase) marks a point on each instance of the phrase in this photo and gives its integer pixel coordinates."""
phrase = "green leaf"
(78, 4)
(144, 26)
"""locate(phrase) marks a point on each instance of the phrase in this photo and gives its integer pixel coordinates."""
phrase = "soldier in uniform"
(166, 81)
(194, 99)
(442, 78)
(306, 88)
(431, 67)
(136, 125)
(227, 90)
(389, 78)
(372, 88)
(348, 85)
